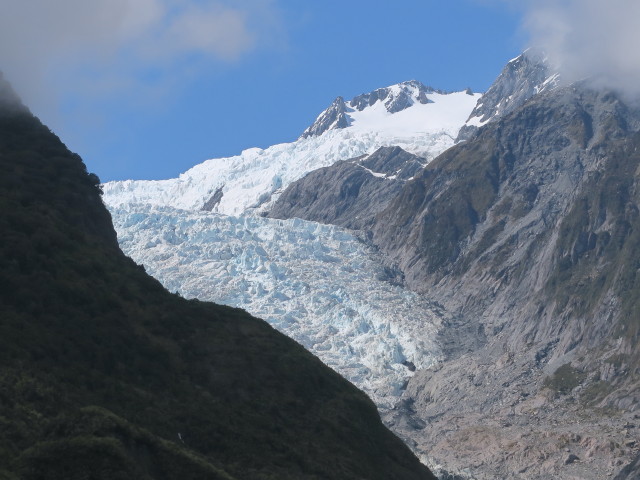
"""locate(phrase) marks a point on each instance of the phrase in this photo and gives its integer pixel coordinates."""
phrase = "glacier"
(319, 284)
(203, 235)
(252, 181)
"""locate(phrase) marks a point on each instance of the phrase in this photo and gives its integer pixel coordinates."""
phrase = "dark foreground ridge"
(105, 375)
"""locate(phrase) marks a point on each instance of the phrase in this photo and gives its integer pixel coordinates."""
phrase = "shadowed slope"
(106, 374)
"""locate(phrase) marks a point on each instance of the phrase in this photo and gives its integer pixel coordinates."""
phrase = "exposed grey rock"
(395, 101)
(522, 78)
(332, 118)
(519, 177)
(630, 472)
(349, 193)
(513, 233)
(571, 458)
(214, 201)
(393, 163)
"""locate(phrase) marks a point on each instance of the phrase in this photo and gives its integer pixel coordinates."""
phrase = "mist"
(597, 40)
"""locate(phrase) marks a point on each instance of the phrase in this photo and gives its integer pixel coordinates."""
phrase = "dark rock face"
(530, 232)
(630, 472)
(571, 458)
(106, 375)
(211, 204)
(332, 118)
(349, 193)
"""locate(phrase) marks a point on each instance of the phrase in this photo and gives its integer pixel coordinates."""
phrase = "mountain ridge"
(349, 193)
(514, 230)
(395, 98)
(107, 375)
(524, 235)
(249, 183)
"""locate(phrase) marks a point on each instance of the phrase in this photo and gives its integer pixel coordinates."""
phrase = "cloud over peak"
(595, 39)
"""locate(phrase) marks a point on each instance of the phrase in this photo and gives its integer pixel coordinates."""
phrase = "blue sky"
(132, 111)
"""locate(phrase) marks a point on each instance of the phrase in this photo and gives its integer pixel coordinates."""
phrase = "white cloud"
(597, 39)
(51, 47)
(219, 31)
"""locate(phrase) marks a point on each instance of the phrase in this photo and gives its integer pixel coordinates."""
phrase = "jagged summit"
(396, 97)
(393, 99)
(332, 118)
(522, 77)
(419, 119)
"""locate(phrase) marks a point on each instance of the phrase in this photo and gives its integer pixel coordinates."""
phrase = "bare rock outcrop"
(530, 234)
(349, 193)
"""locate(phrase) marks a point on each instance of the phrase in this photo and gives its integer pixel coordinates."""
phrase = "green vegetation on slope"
(599, 247)
(565, 379)
(104, 374)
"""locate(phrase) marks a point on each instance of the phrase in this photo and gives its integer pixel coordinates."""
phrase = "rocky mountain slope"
(106, 375)
(349, 193)
(529, 232)
(526, 235)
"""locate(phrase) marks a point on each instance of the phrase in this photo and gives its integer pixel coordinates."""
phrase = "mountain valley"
(107, 375)
(468, 261)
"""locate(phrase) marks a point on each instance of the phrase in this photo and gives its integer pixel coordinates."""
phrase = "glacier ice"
(319, 284)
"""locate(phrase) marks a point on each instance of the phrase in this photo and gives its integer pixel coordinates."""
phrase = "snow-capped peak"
(522, 77)
(419, 119)
(396, 97)
(332, 118)
(392, 99)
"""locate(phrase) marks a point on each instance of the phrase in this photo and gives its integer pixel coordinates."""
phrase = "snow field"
(253, 180)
